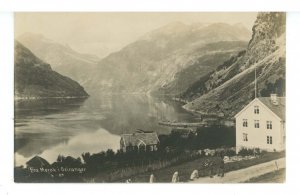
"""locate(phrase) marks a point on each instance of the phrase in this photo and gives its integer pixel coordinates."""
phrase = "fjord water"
(50, 127)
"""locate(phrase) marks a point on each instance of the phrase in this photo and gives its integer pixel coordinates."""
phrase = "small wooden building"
(139, 141)
(37, 162)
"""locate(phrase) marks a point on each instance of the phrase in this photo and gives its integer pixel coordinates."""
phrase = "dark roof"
(37, 162)
(135, 138)
(279, 109)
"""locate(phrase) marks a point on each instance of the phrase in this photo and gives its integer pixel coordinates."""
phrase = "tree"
(110, 154)
(86, 157)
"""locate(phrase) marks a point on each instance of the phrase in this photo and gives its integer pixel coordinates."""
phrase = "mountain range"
(35, 79)
(209, 66)
(152, 63)
(62, 58)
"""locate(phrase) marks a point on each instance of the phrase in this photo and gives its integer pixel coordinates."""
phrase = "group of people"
(195, 173)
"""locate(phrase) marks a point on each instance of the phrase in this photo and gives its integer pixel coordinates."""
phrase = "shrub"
(247, 151)
(229, 152)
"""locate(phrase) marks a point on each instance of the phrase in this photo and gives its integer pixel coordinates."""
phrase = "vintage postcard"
(150, 97)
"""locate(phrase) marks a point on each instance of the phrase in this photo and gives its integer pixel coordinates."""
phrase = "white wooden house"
(261, 124)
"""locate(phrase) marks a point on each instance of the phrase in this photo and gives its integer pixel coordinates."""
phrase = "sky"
(106, 32)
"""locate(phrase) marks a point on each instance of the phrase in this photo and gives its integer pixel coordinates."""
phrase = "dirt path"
(243, 175)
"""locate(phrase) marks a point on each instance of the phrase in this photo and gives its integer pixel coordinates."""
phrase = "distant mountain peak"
(154, 60)
(175, 24)
(239, 25)
(35, 78)
(62, 57)
(227, 26)
(168, 29)
(34, 37)
(198, 31)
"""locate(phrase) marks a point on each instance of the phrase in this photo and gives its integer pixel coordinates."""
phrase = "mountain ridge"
(232, 85)
(152, 61)
(35, 79)
(62, 58)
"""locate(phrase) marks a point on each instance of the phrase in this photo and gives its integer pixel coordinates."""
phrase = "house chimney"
(274, 99)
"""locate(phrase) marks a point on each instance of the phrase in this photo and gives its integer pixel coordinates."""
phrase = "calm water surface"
(73, 126)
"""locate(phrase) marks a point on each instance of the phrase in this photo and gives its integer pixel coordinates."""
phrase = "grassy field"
(185, 169)
(273, 177)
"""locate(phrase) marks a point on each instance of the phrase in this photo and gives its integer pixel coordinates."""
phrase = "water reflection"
(47, 106)
(52, 127)
(92, 142)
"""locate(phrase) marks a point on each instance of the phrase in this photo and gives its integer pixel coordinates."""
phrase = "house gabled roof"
(278, 110)
(37, 162)
(245, 107)
(135, 138)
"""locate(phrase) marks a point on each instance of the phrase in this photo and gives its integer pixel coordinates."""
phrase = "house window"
(256, 110)
(256, 123)
(245, 137)
(245, 123)
(269, 124)
(151, 148)
(269, 140)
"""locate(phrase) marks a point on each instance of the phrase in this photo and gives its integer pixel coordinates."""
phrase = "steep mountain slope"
(35, 78)
(214, 54)
(151, 63)
(231, 86)
(62, 58)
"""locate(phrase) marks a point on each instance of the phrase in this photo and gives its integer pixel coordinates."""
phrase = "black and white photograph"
(149, 97)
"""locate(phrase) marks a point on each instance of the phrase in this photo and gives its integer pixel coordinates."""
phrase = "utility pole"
(255, 83)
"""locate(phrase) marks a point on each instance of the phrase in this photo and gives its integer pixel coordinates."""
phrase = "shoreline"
(43, 98)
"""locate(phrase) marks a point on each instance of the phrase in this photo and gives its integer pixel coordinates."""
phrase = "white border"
(149, 5)
(6, 87)
(6, 105)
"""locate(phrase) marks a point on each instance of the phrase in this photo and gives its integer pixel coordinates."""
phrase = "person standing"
(221, 167)
(175, 178)
(128, 181)
(152, 178)
(194, 175)
(211, 169)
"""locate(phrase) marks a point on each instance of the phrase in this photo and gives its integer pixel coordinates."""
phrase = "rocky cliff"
(231, 86)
